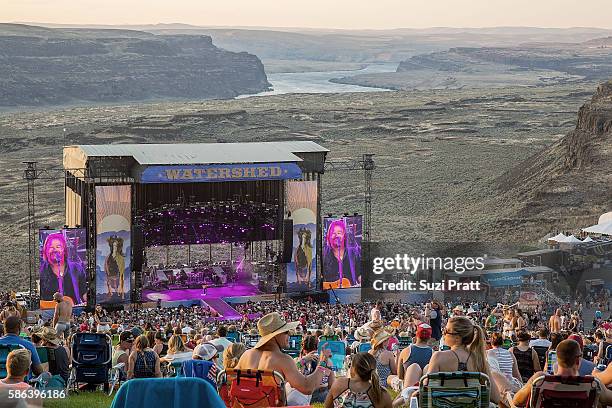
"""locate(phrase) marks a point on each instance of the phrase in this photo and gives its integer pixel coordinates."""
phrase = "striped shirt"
(505, 360)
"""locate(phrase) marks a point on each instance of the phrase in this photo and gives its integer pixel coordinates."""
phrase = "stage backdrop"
(342, 252)
(113, 244)
(63, 252)
(302, 202)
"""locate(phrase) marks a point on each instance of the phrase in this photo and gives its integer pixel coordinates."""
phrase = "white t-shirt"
(539, 343)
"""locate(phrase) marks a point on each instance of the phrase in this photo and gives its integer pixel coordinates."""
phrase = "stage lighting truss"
(213, 222)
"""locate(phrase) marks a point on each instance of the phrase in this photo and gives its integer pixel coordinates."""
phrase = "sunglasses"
(449, 333)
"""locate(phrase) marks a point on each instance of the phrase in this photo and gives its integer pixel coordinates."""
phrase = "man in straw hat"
(268, 355)
(61, 362)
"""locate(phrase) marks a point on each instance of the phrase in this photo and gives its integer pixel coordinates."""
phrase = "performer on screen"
(60, 274)
(114, 266)
(341, 263)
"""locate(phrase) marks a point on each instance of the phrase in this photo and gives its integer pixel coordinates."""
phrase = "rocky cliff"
(590, 60)
(568, 184)
(54, 66)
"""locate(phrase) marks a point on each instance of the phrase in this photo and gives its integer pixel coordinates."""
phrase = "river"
(318, 82)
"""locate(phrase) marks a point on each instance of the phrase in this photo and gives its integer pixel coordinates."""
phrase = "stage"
(173, 295)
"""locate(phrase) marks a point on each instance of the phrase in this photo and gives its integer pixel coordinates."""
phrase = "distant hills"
(591, 59)
(394, 45)
(49, 66)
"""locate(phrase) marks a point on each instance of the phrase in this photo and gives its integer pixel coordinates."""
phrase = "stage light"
(346, 214)
(355, 214)
(330, 215)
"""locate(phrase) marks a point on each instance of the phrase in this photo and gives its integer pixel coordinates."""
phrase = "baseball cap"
(577, 339)
(126, 336)
(423, 331)
(207, 351)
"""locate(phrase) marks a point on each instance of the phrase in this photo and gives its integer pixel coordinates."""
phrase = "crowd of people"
(511, 346)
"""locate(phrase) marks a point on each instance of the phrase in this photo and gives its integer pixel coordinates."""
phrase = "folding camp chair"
(607, 355)
(328, 338)
(43, 356)
(454, 390)
(5, 349)
(589, 352)
(251, 340)
(206, 370)
(364, 347)
(295, 344)
(404, 342)
(234, 337)
(251, 388)
(176, 392)
(551, 391)
(338, 350)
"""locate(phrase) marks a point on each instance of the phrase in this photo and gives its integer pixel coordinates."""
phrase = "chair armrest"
(44, 377)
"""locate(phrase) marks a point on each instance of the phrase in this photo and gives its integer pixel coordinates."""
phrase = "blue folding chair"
(364, 347)
(178, 392)
(251, 340)
(404, 342)
(205, 370)
(295, 345)
(5, 349)
(234, 337)
(338, 350)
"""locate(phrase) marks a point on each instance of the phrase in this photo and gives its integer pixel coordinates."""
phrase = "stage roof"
(194, 153)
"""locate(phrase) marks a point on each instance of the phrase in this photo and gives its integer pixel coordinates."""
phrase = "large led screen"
(63, 262)
(113, 244)
(342, 252)
(302, 203)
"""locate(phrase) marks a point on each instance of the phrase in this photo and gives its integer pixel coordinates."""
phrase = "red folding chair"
(251, 388)
(553, 391)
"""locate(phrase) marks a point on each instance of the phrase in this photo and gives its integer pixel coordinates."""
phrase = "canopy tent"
(560, 237)
(604, 229)
(572, 240)
(587, 239)
(607, 217)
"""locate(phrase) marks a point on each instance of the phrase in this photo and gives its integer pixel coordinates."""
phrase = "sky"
(347, 14)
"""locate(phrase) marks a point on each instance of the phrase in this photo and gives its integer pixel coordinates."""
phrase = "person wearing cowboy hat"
(362, 335)
(268, 355)
(458, 310)
(385, 360)
(52, 342)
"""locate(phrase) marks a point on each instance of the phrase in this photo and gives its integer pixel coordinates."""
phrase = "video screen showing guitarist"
(60, 272)
(342, 254)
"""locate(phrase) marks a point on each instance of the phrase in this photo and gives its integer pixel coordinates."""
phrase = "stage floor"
(171, 295)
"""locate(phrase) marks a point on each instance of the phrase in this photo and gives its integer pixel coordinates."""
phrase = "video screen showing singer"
(60, 274)
(341, 255)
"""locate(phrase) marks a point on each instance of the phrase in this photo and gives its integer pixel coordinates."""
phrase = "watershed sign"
(220, 172)
(497, 280)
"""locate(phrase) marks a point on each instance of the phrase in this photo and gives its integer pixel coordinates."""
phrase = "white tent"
(587, 239)
(558, 238)
(607, 217)
(605, 228)
(572, 240)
